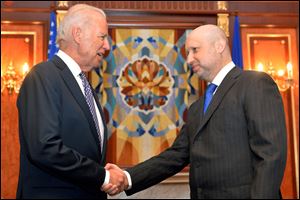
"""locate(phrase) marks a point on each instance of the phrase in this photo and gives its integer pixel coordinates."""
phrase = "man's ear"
(76, 33)
(220, 45)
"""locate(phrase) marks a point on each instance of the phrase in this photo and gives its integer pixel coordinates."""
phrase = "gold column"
(62, 7)
(223, 18)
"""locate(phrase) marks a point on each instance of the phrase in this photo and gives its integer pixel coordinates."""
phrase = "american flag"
(52, 46)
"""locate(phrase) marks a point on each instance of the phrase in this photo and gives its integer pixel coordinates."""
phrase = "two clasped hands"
(118, 180)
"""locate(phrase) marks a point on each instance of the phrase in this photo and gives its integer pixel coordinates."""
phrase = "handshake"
(118, 181)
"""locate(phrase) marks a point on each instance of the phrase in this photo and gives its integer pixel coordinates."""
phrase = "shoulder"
(253, 78)
(259, 83)
(43, 67)
(43, 74)
(44, 70)
(255, 75)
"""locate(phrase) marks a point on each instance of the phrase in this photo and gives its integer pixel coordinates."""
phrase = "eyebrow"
(102, 34)
(193, 48)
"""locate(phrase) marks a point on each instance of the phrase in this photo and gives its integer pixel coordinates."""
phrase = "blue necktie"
(90, 101)
(208, 95)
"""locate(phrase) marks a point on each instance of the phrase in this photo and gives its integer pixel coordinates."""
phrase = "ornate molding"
(195, 7)
(222, 5)
(223, 18)
(60, 15)
(223, 22)
(62, 4)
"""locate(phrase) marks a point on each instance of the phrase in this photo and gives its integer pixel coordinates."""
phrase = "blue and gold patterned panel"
(145, 86)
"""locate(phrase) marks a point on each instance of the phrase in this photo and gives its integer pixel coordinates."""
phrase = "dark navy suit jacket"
(60, 153)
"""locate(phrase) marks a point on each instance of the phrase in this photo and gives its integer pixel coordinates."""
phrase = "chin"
(200, 76)
(97, 62)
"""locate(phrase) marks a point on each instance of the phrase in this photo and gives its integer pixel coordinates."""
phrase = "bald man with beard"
(236, 147)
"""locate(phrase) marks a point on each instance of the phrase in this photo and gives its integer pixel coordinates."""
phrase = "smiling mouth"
(100, 55)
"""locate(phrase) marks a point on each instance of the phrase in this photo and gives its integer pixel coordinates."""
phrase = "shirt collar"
(222, 73)
(70, 62)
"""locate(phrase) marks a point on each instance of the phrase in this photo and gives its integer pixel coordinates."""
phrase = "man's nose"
(106, 45)
(189, 58)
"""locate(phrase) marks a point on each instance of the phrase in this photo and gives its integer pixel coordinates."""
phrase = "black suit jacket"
(236, 150)
(60, 153)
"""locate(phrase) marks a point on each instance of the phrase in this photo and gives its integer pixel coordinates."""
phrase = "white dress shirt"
(221, 75)
(75, 69)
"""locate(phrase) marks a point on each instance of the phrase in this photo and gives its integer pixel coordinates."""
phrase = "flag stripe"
(52, 47)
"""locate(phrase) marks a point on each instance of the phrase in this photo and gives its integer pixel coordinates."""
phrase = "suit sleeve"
(267, 135)
(162, 166)
(39, 107)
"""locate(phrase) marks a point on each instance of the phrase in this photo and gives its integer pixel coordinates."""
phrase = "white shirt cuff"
(128, 179)
(107, 176)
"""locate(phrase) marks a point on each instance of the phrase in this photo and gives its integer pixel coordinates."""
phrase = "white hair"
(76, 15)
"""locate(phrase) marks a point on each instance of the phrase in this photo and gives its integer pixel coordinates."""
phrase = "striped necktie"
(90, 101)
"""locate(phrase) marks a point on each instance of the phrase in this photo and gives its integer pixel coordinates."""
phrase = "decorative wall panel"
(145, 87)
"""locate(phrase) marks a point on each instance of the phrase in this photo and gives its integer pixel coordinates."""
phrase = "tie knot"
(84, 80)
(82, 75)
(211, 88)
(208, 95)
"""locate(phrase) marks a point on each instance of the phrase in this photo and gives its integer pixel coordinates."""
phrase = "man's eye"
(102, 37)
(192, 50)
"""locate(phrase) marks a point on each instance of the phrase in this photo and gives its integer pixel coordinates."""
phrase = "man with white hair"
(235, 135)
(63, 135)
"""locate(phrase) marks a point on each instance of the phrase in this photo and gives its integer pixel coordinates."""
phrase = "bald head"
(210, 33)
(208, 51)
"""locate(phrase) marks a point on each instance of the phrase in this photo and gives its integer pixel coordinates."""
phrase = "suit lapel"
(77, 94)
(104, 126)
(223, 88)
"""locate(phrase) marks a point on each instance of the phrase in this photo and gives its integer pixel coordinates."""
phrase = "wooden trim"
(266, 26)
(31, 10)
(154, 25)
(45, 25)
(178, 12)
(257, 14)
(295, 139)
(166, 11)
(24, 22)
(154, 6)
(32, 44)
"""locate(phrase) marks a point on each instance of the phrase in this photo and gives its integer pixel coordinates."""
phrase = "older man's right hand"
(117, 182)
